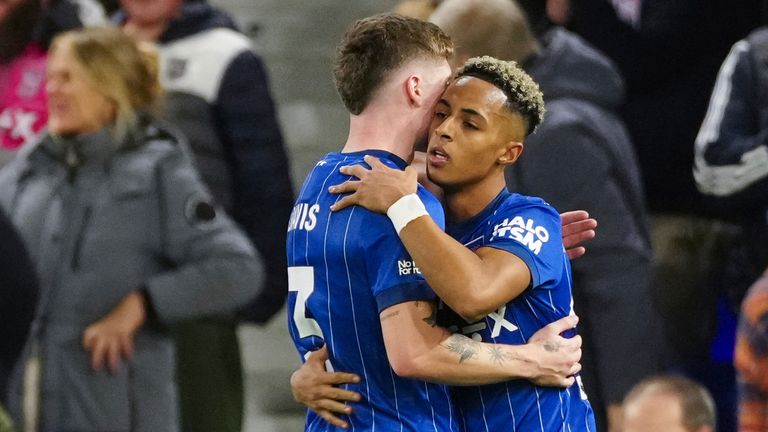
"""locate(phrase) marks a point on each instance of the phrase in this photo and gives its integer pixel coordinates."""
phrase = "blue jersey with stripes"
(530, 229)
(345, 268)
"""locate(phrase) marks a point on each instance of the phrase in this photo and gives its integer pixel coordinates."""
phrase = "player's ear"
(512, 152)
(413, 90)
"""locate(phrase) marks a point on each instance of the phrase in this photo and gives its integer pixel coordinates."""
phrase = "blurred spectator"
(26, 29)
(731, 162)
(420, 9)
(731, 168)
(218, 96)
(669, 53)
(731, 156)
(579, 158)
(669, 404)
(125, 240)
(751, 358)
(18, 297)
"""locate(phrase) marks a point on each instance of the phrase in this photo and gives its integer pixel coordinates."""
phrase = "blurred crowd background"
(634, 113)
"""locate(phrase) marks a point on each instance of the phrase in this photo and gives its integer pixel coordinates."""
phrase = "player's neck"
(372, 131)
(466, 201)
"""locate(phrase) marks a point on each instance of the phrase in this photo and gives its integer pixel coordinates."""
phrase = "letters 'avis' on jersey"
(344, 268)
(530, 229)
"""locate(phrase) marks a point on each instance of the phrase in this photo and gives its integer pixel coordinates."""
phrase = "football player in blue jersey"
(501, 268)
(354, 289)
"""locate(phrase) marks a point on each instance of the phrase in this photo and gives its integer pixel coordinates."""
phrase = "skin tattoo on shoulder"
(465, 347)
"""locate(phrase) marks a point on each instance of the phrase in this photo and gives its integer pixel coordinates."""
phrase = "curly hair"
(375, 46)
(523, 94)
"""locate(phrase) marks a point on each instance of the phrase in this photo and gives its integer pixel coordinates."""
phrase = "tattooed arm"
(418, 349)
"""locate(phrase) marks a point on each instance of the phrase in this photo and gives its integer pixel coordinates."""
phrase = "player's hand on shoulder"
(317, 388)
(375, 189)
(556, 358)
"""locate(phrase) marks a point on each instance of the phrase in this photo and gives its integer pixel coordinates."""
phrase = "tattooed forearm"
(390, 315)
(465, 347)
(498, 355)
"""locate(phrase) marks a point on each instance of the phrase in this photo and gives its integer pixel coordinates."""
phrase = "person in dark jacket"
(18, 297)
(580, 157)
(731, 152)
(731, 170)
(218, 96)
(126, 241)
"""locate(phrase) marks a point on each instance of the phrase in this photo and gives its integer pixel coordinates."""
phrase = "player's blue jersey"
(344, 269)
(530, 229)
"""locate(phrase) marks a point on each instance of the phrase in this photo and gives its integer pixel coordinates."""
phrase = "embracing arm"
(479, 281)
(417, 348)
(554, 357)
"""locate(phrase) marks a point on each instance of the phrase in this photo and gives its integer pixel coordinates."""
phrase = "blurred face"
(471, 132)
(654, 412)
(75, 106)
(433, 85)
(6, 6)
(150, 11)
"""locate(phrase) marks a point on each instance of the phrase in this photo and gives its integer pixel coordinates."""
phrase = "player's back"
(344, 268)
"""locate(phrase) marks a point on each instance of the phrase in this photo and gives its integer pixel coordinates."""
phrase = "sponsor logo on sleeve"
(407, 267)
(524, 231)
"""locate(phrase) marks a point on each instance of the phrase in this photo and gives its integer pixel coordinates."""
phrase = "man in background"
(669, 404)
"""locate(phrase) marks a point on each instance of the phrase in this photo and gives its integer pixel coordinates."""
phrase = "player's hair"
(523, 94)
(121, 69)
(696, 402)
(375, 46)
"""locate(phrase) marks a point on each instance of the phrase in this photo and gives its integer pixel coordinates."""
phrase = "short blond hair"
(523, 94)
(123, 70)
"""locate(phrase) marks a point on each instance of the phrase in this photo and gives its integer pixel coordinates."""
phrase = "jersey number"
(302, 281)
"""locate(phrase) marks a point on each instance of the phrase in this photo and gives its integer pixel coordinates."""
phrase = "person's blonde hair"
(124, 71)
(419, 9)
(496, 28)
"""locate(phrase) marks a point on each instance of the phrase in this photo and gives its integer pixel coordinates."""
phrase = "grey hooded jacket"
(102, 219)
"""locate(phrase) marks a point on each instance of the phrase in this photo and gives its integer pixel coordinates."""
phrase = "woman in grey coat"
(125, 239)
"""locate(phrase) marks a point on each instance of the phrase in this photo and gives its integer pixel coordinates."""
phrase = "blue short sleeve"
(396, 278)
(534, 234)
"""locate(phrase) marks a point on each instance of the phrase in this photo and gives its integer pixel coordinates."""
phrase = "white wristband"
(405, 210)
